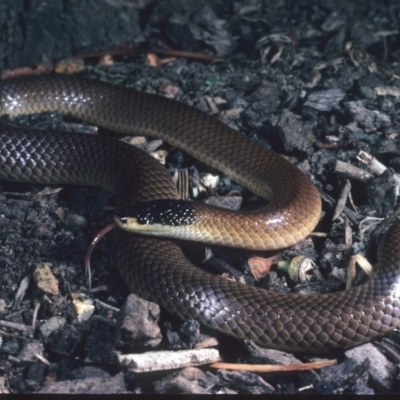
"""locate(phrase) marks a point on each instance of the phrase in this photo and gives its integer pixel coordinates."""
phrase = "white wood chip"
(166, 360)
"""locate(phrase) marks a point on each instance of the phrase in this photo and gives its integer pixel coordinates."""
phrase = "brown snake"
(156, 269)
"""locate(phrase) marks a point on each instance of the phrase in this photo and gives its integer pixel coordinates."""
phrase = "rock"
(138, 323)
(99, 385)
(45, 280)
(189, 381)
(381, 371)
(51, 325)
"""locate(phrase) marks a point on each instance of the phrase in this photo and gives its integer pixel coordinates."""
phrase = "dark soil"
(315, 81)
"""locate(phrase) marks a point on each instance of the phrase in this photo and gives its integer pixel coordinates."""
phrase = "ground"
(315, 82)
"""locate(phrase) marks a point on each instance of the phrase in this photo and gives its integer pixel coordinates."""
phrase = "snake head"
(155, 216)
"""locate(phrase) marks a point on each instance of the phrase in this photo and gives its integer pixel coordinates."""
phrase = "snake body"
(156, 269)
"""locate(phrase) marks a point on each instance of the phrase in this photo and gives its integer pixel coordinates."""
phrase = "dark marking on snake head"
(164, 212)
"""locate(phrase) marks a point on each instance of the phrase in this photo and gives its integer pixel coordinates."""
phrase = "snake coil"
(156, 269)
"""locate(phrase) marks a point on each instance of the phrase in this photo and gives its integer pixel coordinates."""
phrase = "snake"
(150, 259)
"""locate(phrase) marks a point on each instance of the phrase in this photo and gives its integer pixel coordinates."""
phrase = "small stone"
(209, 180)
(51, 325)
(138, 323)
(188, 381)
(83, 305)
(45, 280)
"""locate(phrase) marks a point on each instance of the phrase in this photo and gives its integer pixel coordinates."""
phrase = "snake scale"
(155, 268)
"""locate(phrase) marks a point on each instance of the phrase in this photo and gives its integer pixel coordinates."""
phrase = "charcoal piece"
(380, 194)
(244, 382)
(185, 337)
(99, 385)
(64, 341)
(260, 355)
(334, 46)
(35, 376)
(66, 367)
(100, 343)
(178, 32)
(389, 147)
(334, 22)
(381, 371)
(89, 372)
(10, 347)
(345, 378)
(190, 332)
(370, 120)
(325, 100)
(265, 99)
(293, 133)
(188, 381)
(366, 85)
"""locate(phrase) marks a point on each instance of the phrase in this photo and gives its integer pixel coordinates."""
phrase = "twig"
(186, 54)
(207, 343)
(129, 50)
(342, 200)
(23, 287)
(106, 306)
(26, 330)
(274, 368)
(352, 172)
(45, 192)
(354, 217)
(363, 263)
(35, 315)
(42, 359)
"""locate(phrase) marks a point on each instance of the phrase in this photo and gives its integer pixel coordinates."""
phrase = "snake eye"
(123, 220)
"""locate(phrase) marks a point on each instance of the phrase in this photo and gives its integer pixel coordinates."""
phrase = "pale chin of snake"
(156, 269)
